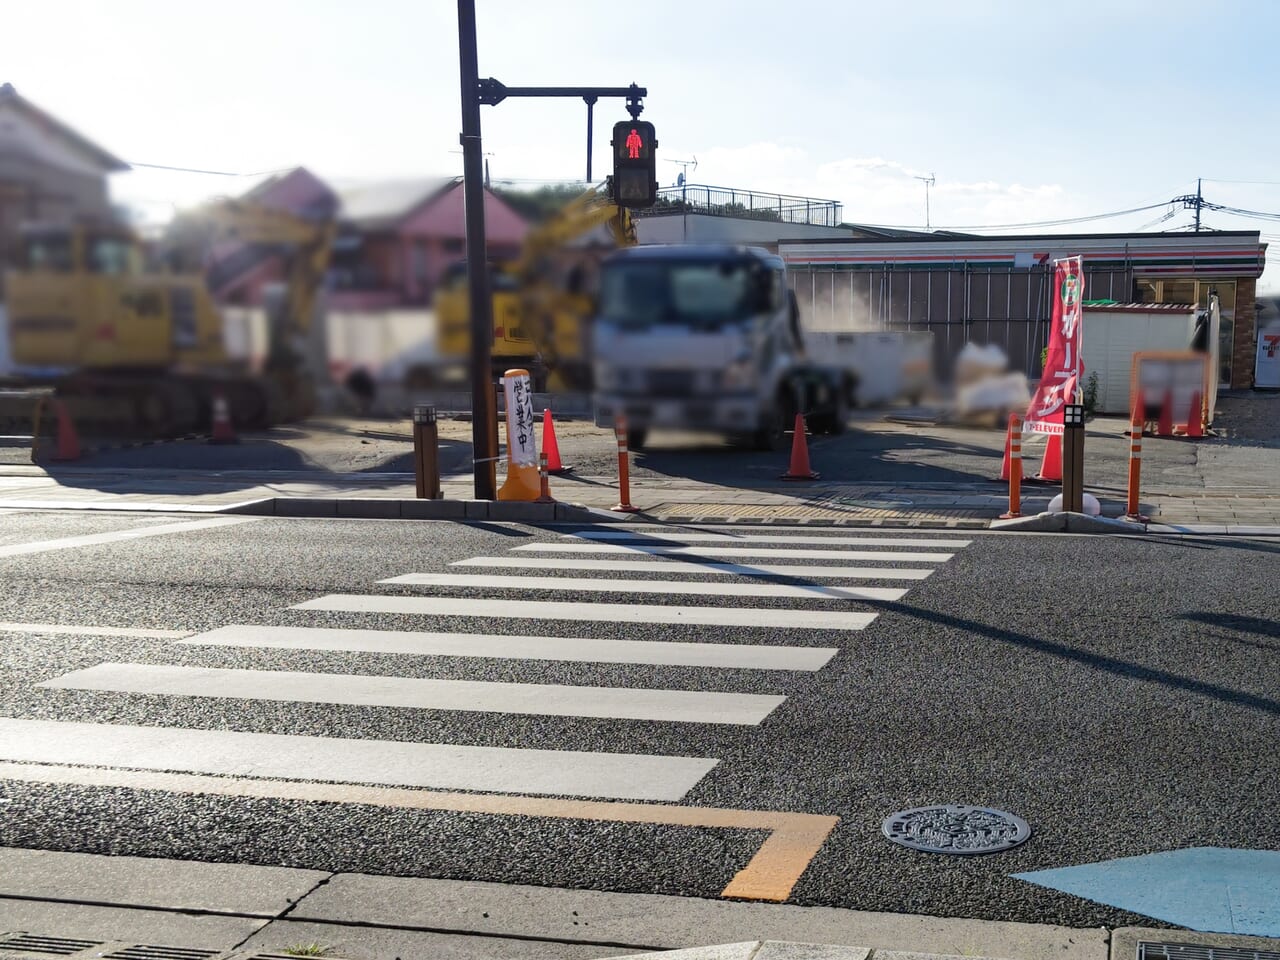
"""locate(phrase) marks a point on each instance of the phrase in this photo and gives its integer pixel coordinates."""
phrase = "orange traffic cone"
(1051, 465)
(1008, 444)
(550, 446)
(800, 469)
(1195, 418)
(68, 440)
(223, 431)
(1165, 427)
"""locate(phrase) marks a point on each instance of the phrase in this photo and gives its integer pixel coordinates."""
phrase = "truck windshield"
(689, 293)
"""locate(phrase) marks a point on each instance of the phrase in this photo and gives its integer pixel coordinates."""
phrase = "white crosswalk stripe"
(833, 540)
(534, 699)
(601, 613)
(807, 571)
(648, 566)
(621, 776)
(778, 553)
(672, 653)
(763, 591)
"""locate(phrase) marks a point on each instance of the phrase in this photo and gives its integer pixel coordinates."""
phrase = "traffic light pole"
(490, 92)
(484, 450)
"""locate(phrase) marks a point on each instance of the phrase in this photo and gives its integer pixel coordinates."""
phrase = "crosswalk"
(627, 595)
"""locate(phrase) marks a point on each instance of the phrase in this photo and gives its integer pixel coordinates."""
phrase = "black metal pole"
(481, 305)
(591, 104)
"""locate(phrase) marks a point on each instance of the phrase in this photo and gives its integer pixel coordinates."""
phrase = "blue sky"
(1023, 112)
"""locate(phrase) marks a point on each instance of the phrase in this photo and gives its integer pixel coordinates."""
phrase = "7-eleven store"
(997, 289)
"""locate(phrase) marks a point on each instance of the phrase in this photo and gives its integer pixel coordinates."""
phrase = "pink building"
(396, 239)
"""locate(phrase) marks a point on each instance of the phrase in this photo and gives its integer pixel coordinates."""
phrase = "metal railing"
(744, 204)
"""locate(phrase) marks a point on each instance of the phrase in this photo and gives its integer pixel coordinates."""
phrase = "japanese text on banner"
(1063, 366)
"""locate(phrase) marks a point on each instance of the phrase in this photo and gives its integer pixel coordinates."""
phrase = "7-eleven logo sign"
(1271, 344)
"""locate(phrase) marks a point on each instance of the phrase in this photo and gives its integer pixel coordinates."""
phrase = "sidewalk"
(84, 905)
(208, 910)
(972, 505)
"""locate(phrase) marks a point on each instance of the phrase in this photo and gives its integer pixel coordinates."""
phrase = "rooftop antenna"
(928, 182)
(683, 178)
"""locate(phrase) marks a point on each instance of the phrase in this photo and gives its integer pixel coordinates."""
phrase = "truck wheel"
(636, 436)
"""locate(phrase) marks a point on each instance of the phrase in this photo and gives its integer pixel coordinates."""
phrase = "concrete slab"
(515, 511)
(674, 922)
(296, 507)
(1035, 523)
(723, 951)
(432, 509)
(1080, 523)
(476, 509)
(158, 927)
(374, 943)
(369, 509)
(159, 884)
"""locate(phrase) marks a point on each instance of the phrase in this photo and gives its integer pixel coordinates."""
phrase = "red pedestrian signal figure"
(635, 174)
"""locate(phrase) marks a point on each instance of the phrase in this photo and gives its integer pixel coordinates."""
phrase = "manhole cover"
(956, 829)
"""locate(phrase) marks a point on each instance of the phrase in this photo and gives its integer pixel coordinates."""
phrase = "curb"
(383, 508)
(1068, 523)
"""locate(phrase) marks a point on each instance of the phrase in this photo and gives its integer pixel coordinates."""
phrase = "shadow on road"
(1096, 661)
(855, 457)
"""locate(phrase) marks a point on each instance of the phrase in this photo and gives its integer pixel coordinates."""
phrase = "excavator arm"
(556, 313)
(309, 242)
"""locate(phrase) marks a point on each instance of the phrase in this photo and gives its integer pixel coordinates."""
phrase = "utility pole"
(928, 182)
(484, 452)
(1193, 202)
(491, 92)
(683, 184)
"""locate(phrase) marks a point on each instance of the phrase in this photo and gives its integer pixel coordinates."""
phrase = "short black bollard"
(426, 451)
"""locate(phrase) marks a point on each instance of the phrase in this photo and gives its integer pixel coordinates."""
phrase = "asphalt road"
(1118, 693)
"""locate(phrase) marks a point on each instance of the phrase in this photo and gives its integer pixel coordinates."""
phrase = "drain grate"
(956, 829)
(48, 946)
(142, 951)
(1149, 950)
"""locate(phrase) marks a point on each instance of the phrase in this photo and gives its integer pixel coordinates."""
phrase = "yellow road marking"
(794, 838)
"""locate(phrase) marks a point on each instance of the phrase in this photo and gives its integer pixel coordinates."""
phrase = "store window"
(1184, 290)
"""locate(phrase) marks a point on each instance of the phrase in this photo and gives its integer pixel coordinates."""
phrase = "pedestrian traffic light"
(635, 164)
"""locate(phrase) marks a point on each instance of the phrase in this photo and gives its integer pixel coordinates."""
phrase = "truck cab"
(704, 337)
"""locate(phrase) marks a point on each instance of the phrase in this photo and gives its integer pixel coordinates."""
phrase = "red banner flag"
(1063, 366)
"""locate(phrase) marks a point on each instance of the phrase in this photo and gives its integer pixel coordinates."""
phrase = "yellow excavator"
(542, 300)
(136, 351)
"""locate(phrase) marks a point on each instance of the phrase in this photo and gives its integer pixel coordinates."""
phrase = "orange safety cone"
(1165, 427)
(1051, 465)
(1195, 418)
(554, 466)
(223, 431)
(1008, 448)
(800, 469)
(68, 439)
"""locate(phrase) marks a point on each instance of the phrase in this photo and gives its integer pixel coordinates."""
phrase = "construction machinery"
(543, 300)
(136, 351)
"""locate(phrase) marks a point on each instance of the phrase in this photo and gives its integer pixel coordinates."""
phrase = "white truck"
(707, 337)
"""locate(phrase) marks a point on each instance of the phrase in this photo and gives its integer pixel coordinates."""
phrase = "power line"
(1268, 183)
(1040, 223)
(212, 173)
